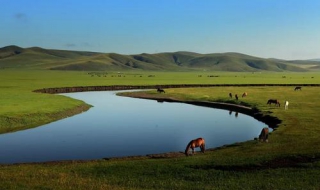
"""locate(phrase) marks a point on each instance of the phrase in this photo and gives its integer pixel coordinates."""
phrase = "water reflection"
(236, 113)
(120, 126)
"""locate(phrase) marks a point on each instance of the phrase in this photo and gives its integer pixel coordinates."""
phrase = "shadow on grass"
(296, 161)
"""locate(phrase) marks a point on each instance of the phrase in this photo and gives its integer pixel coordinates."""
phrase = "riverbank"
(16, 123)
(271, 121)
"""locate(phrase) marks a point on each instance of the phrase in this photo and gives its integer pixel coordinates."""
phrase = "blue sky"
(285, 29)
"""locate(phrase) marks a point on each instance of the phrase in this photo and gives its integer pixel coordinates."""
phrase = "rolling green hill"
(39, 58)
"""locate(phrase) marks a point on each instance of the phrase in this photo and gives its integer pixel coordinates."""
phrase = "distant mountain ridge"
(40, 58)
(314, 59)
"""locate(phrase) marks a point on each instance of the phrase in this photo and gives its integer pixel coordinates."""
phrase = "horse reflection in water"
(236, 114)
(199, 142)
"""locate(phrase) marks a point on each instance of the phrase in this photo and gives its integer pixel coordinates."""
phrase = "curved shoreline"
(52, 116)
(271, 121)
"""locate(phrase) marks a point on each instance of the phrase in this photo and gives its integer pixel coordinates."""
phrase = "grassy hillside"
(39, 58)
(312, 65)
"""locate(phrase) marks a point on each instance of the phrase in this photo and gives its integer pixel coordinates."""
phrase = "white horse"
(286, 104)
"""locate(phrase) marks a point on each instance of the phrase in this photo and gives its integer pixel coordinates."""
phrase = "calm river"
(120, 126)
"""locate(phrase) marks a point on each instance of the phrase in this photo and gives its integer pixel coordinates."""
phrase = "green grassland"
(291, 159)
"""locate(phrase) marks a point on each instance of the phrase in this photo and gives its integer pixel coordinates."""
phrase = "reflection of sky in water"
(121, 126)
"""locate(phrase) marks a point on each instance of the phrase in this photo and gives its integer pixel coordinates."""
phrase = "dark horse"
(264, 134)
(273, 101)
(160, 90)
(297, 88)
(199, 142)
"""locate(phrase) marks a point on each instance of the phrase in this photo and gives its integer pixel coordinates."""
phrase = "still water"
(120, 126)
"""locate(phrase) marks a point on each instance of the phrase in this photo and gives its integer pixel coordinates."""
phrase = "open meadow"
(291, 159)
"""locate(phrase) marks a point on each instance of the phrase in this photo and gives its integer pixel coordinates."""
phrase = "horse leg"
(266, 138)
(202, 148)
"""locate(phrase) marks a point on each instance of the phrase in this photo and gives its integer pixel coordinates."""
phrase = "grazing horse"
(160, 90)
(297, 88)
(199, 142)
(273, 101)
(286, 104)
(244, 94)
(236, 96)
(230, 95)
(264, 134)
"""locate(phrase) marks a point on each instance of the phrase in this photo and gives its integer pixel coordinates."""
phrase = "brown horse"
(199, 142)
(273, 101)
(244, 94)
(264, 134)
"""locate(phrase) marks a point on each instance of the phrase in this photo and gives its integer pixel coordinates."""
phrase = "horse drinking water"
(199, 142)
(264, 134)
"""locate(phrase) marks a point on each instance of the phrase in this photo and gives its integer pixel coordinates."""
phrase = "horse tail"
(203, 146)
(187, 148)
